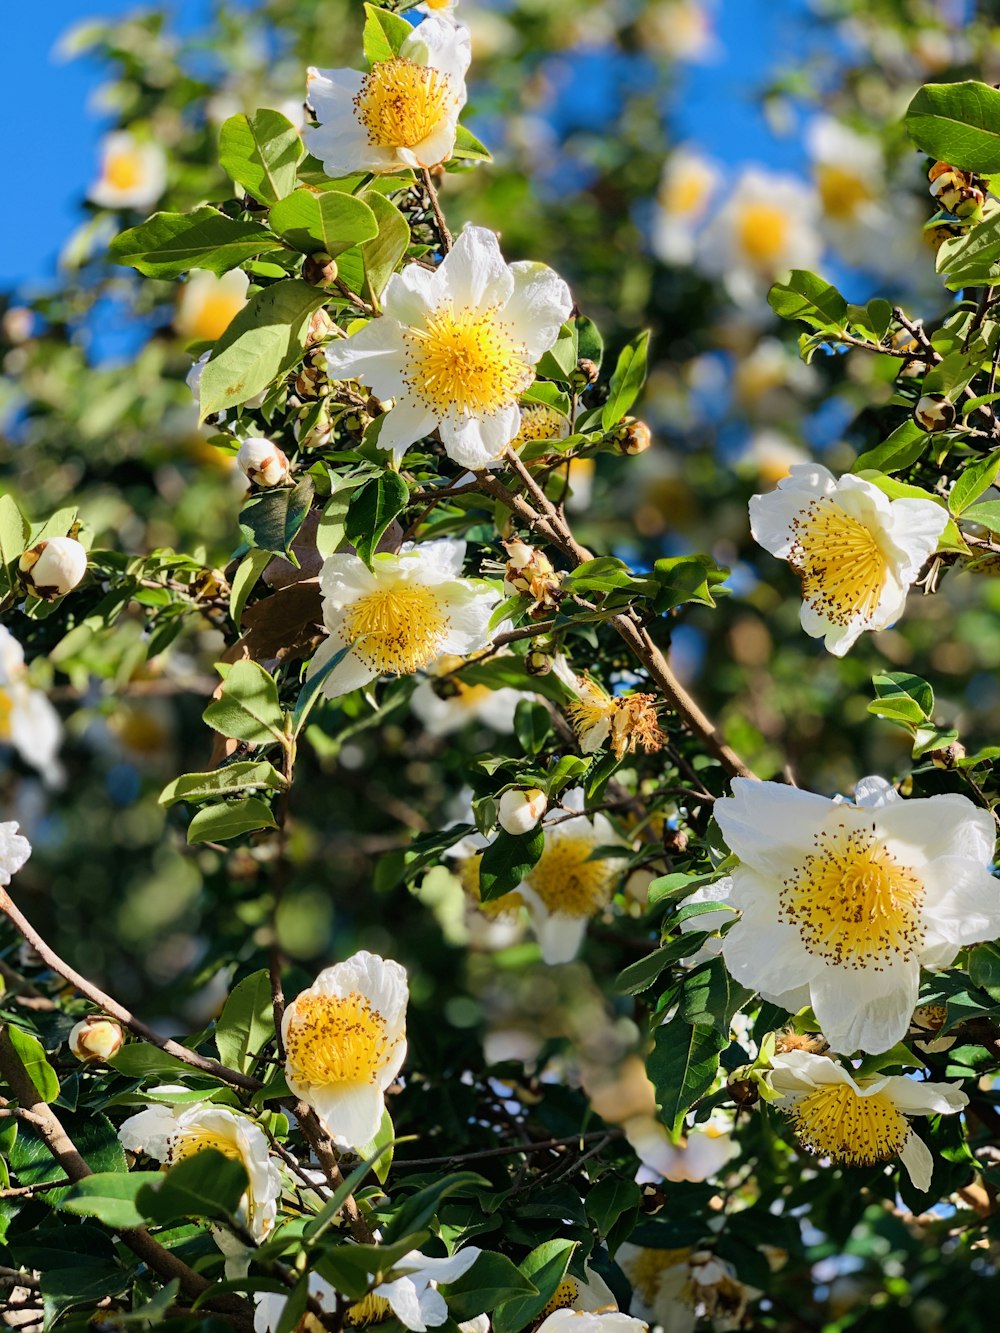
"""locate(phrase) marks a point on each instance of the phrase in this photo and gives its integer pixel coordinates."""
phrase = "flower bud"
(632, 437)
(538, 662)
(962, 193)
(934, 412)
(914, 368)
(96, 1038)
(53, 567)
(948, 756)
(744, 1091)
(319, 270)
(262, 462)
(320, 328)
(530, 571)
(584, 375)
(520, 809)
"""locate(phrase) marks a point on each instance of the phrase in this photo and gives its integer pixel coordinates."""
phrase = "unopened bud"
(520, 809)
(585, 374)
(675, 840)
(960, 192)
(538, 662)
(632, 437)
(934, 412)
(53, 567)
(96, 1038)
(948, 756)
(319, 270)
(262, 462)
(320, 328)
(744, 1091)
(913, 368)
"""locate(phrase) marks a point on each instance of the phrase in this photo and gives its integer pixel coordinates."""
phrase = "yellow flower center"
(539, 422)
(842, 191)
(371, 1309)
(563, 1298)
(835, 1122)
(567, 882)
(840, 563)
(506, 906)
(397, 629)
(6, 715)
(852, 903)
(195, 1140)
(763, 233)
(645, 1270)
(466, 361)
(335, 1039)
(123, 170)
(687, 193)
(401, 103)
(212, 316)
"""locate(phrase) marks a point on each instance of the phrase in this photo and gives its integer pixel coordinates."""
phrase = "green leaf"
(682, 1066)
(545, 1267)
(807, 297)
(606, 573)
(627, 380)
(330, 221)
(507, 860)
(295, 1307)
(986, 514)
(327, 1215)
(665, 888)
(984, 969)
(246, 1021)
(208, 1184)
(271, 521)
(468, 148)
(379, 1150)
(589, 343)
(384, 34)
(247, 708)
(110, 1197)
(711, 996)
(231, 819)
(370, 510)
(491, 1281)
(976, 479)
(313, 688)
(559, 362)
(903, 447)
(248, 776)
(37, 1067)
(640, 975)
(903, 698)
(248, 571)
(970, 260)
(957, 123)
(686, 578)
(532, 726)
(610, 1199)
(332, 528)
(263, 342)
(170, 244)
(421, 1207)
(261, 152)
(382, 254)
(83, 1284)
(14, 532)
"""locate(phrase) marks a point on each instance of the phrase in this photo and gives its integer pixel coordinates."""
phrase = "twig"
(543, 1146)
(323, 1148)
(439, 219)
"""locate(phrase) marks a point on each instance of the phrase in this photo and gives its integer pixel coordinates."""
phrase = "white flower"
(270, 1305)
(519, 809)
(686, 188)
(206, 307)
(673, 1289)
(766, 226)
(701, 1154)
(133, 173)
(444, 9)
(681, 29)
(262, 462)
(14, 851)
(564, 889)
(170, 1134)
(402, 113)
(28, 722)
(855, 550)
(843, 903)
(401, 614)
(590, 1294)
(860, 1122)
(54, 567)
(345, 1041)
(449, 705)
(456, 347)
(586, 1321)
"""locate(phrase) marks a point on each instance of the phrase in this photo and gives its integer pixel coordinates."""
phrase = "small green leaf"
(246, 1021)
(807, 297)
(330, 221)
(313, 688)
(957, 123)
(609, 1199)
(370, 510)
(711, 996)
(247, 776)
(643, 973)
(261, 152)
(170, 244)
(32, 1056)
(507, 860)
(248, 571)
(208, 1184)
(468, 148)
(686, 578)
(627, 380)
(247, 708)
(559, 362)
(987, 515)
(532, 726)
(110, 1197)
(231, 819)
(971, 483)
(14, 532)
(902, 697)
(382, 254)
(970, 260)
(545, 1267)
(682, 1066)
(271, 521)
(384, 33)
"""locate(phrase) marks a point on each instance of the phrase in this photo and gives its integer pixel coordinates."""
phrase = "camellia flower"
(855, 550)
(133, 172)
(565, 888)
(843, 903)
(673, 1289)
(456, 347)
(14, 851)
(443, 8)
(402, 113)
(444, 703)
(587, 1321)
(171, 1134)
(207, 305)
(400, 615)
(686, 188)
(28, 722)
(345, 1041)
(623, 722)
(859, 1122)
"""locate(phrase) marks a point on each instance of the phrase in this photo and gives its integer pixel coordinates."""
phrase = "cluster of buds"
(531, 571)
(96, 1038)
(262, 462)
(961, 193)
(53, 568)
(631, 436)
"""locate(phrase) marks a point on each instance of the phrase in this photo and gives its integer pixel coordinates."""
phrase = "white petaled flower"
(206, 307)
(702, 1153)
(587, 1321)
(456, 347)
(843, 903)
(446, 705)
(541, 422)
(766, 226)
(673, 1289)
(345, 1041)
(14, 851)
(133, 172)
(860, 1122)
(28, 721)
(171, 1134)
(589, 1294)
(565, 888)
(400, 615)
(687, 186)
(402, 113)
(856, 551)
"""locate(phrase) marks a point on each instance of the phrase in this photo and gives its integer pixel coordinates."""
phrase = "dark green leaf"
(241, 777)
(110, 1197)
(532, 726)
(246, 1021)
(903, 447)
(382, 254)
(507, 860)
(208, 1184)
(371, 509)
(609, 1199)
(545, 1267)
(559, 362)
(32, 1055)
(271, 521)
(640, 975)
(686, 578)
(491, 1281)
(683, 1065)
(710, 996)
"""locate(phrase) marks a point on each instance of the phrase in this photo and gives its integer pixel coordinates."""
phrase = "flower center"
(567, 882)
(839, 561)
(503, 908)
(371, 1309)
(336, 1039)
(397, 629)
(401, 103)
(192, 1141)
(213, 316)
(842, 191)
(123, 171)
(466, 361)
(646, 1268)
(688, 194)
(852, 903)
(562, 1298)
(835, 1122)
(6, 715)
(763, 232)
(539, 422)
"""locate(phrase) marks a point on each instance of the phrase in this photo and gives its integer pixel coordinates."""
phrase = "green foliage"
(261, 153)
(957, 123)
(170, 244)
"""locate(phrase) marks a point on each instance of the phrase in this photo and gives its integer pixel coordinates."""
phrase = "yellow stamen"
(835, 1122)
(688, 193)
(842, 191)
(402, 103)
(506, 906)
(6, 715)
(334, 1039)
(853, 903)
(123, 171)
(567, 882)
(371, 1309)
(195, 1140)
(466, 361)
(213, 316)
(563, 1298)
(763, 232)
(398, 629)
(840, 563)
(632, 719)
(539, 422)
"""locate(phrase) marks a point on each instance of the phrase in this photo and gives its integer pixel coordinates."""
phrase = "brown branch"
(327, 1158)
(543, 1146)
(444, 234)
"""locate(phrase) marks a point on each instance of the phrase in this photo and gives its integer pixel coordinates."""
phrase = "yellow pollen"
(466, 361)
(335, 1039)
(852, 903)
(192, 1141)
(835, 1122)
(371, 1309)
(632, 719)
(842, 191)
(567, 882)
(398, 629)
(840, 563)
(213, 316)
(402, 103)
(645, 1270)
(763, 233)
(539, 422)
(6, 715)
(503, 908)
(123, 170)
(563, 1298)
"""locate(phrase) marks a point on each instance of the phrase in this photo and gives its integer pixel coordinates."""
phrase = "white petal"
(375, 355)
(539, 306)
(559, 936)
(352, 1111)
(407, 422)
(403, 1296)
(765, 823)
(412, 294)
(435, 562)
(475, 442)
(476, 272)
(349, 674)
(14, 851)
(864, 1009)
(917, 1097)
(963, 902)
(437, 147)
(760, 951)
(469, 619)
(916, 1157)
(149, 1131)
(874, 792)
(916, 529)
(442, 45)
(928, 827)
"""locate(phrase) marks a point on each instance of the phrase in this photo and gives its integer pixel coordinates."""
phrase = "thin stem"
(444, 235)
(543, 1146)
